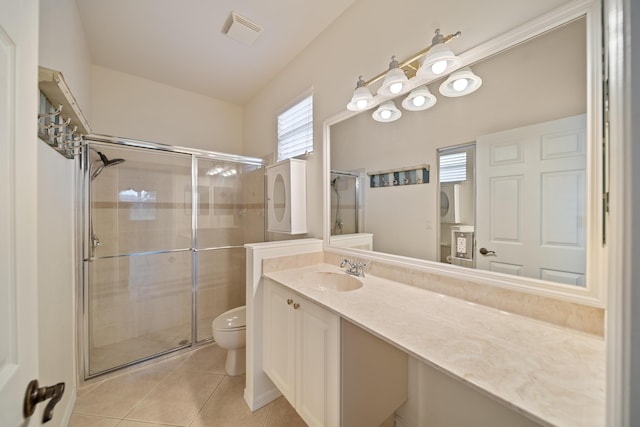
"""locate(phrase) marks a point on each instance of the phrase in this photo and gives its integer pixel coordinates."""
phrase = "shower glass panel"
(224, 218)
(344, 203)
(138, 259)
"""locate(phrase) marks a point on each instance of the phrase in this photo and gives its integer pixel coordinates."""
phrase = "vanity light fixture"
(395, 80)
(386, 112)
(460, 83)
(362, 98)
(399, 78)
(419, 99)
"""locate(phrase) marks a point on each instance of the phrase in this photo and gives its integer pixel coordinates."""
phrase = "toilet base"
(236, 362)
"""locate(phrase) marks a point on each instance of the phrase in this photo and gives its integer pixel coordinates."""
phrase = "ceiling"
(181, 43)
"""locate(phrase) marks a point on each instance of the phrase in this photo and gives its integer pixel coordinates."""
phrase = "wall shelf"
(398, 177)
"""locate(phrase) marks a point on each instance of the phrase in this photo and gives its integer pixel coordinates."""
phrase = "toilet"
(229, 332)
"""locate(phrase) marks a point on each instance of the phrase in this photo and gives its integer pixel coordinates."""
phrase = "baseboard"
(261, 400)
(68, 410)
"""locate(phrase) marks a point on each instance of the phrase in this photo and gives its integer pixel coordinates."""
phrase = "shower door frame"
(83, 239)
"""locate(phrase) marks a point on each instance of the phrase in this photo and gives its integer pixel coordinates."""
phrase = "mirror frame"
(593, 294)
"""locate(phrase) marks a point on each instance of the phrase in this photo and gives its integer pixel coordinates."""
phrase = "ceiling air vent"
(241, 29)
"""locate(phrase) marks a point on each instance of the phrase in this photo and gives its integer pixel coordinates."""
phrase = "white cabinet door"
(279, 339)
(287, 197)
(279, 198)
(301, 354)
(317, 364)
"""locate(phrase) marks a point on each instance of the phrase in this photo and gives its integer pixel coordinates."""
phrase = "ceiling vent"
(241, 29)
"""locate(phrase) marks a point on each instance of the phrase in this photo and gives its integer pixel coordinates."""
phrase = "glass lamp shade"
(460, 83)
(361, 100)
(395, 81)
(439, 60)
(386, 112)
(419, 99)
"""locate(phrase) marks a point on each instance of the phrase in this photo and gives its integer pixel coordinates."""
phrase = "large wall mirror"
(514, 169)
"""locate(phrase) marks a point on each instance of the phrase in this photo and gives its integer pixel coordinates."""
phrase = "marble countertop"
(553, 375)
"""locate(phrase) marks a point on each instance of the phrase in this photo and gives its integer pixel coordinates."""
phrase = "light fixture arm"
(437, 39)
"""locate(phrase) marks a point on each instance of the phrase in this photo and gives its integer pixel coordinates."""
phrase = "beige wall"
(132, 107)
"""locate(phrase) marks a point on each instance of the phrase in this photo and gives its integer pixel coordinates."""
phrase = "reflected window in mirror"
(456, 173)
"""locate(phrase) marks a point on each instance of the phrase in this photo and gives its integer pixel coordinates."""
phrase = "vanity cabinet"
(301, 354)
(287, 197)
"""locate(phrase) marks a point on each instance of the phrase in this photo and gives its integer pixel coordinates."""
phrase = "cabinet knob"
(289, 301)
(296, 306)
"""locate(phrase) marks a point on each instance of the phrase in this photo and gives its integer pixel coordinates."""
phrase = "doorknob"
(35, 395)
(485, 252)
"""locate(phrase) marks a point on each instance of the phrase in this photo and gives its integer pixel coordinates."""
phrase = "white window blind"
(295, 130)
(453, 167)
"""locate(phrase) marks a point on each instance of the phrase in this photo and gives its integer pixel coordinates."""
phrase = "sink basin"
(324, 280)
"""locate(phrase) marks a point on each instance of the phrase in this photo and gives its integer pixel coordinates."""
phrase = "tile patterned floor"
(190, 390)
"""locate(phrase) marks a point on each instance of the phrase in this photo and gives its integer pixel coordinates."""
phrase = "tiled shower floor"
(191, 389)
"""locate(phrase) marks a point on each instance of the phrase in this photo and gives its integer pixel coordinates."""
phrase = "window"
(295, 130)
(453, 167)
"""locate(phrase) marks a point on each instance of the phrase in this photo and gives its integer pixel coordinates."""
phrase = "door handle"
(486, 252)
(35, 395)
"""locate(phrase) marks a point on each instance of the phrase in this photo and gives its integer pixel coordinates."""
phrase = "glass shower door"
(138, 260)
(344, 203)
(230, 214)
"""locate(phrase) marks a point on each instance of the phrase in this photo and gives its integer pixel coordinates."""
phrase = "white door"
(18, 191)
(531, 212)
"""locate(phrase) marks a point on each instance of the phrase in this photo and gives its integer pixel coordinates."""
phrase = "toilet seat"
(231, 320)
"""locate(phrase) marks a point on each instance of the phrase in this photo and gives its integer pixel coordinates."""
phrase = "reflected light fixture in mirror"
(395, 81)
(460, 83)
(439, 59)
(419, 99)
(387, 112)
(362, 98)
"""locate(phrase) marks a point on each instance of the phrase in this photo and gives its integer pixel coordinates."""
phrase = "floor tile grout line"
(168, 373)
(266, 419)
(151, 368)
(207, 400)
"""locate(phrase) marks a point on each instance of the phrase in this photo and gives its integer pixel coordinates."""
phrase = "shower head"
(105, 164)
(108, 162)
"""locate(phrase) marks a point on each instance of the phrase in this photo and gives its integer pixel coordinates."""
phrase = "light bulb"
(419, 101)
(395, 88)
(438, 67)
(460, 85)
(385, 114)
(361, 104)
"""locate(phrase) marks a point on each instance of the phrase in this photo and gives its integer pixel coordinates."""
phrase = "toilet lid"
(232, 319)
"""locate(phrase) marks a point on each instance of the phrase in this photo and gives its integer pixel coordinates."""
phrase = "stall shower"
(163, 254)
(345, 200)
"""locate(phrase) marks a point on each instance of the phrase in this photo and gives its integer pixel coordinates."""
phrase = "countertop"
(553, 375)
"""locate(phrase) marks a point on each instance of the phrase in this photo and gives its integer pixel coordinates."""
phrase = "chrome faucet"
(355, 267)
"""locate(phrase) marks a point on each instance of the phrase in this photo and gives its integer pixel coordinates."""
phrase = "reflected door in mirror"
(531, 206)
